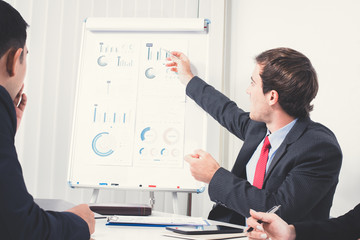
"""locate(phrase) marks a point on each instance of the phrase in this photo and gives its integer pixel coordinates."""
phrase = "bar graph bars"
(109, 116)
(156, 54)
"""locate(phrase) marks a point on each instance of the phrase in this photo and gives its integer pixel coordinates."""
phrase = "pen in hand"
(168, 52)
(271, 210)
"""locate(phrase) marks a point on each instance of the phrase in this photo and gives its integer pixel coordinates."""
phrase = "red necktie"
(261, 164)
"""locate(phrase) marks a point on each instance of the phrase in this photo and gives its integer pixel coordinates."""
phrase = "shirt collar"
(277, 137)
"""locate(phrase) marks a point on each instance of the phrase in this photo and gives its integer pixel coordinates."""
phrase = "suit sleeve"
(221, 108)
(343, 227)
(21, 217)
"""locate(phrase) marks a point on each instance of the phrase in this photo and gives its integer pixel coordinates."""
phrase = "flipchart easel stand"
(175, 202)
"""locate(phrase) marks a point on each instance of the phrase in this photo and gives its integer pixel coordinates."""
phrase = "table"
(104, 232)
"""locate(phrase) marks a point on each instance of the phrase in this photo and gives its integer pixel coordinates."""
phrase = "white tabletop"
(105, 232)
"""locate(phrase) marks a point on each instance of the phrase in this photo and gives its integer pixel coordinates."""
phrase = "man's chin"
(254, 118)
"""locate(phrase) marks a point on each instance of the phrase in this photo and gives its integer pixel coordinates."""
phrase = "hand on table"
(86, 214)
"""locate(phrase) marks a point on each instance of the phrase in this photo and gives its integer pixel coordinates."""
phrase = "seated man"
(286, 158)
(20, 216)
(346, 227)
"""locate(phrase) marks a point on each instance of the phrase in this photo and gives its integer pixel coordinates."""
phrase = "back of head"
(292, 75)
(12, 28)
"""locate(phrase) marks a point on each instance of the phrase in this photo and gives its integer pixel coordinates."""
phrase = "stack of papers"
(206, 236)
(155, 221)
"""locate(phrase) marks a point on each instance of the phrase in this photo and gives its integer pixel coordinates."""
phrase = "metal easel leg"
(189, 202)
(152, 199)
(175, 202)
(94, 195)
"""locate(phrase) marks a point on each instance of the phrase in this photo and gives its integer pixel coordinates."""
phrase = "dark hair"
(292, 75)
(12, 29)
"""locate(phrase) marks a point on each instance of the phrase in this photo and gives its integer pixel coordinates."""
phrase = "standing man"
(20, 216)
(286, 158)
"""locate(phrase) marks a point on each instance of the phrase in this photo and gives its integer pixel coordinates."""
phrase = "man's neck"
(279, 120)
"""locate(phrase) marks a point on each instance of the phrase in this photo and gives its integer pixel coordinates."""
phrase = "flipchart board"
(133, 122)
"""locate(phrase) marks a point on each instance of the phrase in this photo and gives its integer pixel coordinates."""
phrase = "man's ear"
(12, 59)
(273, 97)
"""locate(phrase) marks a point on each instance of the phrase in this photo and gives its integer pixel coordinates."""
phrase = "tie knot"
(267, 142)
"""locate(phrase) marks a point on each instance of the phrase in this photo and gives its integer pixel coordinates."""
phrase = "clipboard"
(152, 221)
(121, 209)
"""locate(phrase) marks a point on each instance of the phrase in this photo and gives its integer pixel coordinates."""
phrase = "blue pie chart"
(103, 151)
(142, 135)
(148, 135)
(101, 62)
(150, 73)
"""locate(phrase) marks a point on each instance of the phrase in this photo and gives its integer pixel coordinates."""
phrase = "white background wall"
(327, 31)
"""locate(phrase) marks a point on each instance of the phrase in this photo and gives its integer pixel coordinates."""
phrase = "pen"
(169, 53)
(271, 210)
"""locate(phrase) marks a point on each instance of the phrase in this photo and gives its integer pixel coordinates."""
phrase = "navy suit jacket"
(302, 176)
(346, 227)
(20, 216)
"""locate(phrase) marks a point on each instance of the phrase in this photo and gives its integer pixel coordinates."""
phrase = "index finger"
(176, 53)
(180, 56)
(174, 58)
(190, 158)
(265, 217)
(252, 222)
(200, 152)
(23, 102)
(18, 95)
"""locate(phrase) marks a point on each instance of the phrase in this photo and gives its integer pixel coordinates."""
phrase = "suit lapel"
(297, 130)
(246, 152)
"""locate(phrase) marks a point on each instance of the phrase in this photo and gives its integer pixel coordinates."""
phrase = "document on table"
(155, 221)
(206, 236)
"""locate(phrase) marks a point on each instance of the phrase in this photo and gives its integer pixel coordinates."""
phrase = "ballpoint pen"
(271, 210)
(167, 51)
